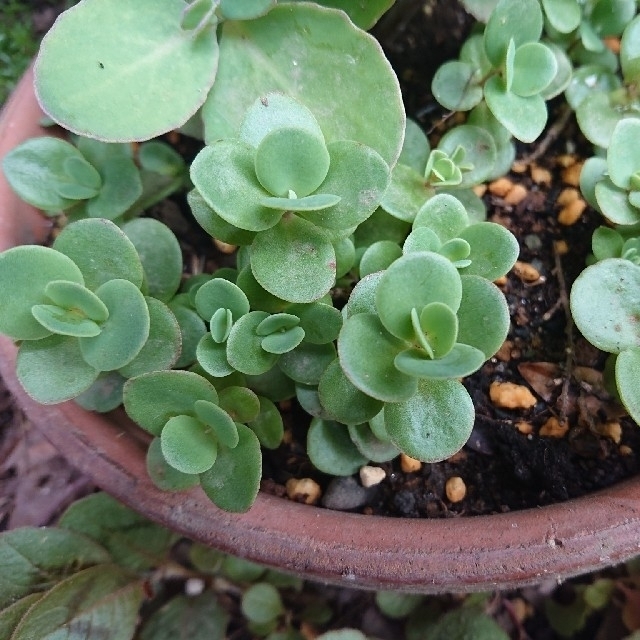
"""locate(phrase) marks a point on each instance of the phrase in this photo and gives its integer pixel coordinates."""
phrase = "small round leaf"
(188, 445)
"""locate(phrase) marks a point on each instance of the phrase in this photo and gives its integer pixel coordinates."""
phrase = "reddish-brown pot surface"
(458, 554)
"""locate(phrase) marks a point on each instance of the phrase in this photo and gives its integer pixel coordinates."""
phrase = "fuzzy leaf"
(434, 423)
(331, 450)
(71, 295)
(135, 42)
(217, 294)
(321, 322)
(162, 474)
(627, 374)
(306, 363)
(455, 86)
(188, 445)
(224, 428)
(105, 394)
(494, 250)
(415, 148)
(407, 192)
(268, 425)
(597, 117)
(370, 446)
(535, 67)
(444, 214)
(614, 203)
(462, 360)
(212, 357)
(233, 482)
(623, 154)
(64, 322)
(244, 346)
(378, 257)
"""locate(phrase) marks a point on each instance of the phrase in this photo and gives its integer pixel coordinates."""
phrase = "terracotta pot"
(458, 554)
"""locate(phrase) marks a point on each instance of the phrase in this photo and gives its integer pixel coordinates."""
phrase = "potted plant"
(315, 185)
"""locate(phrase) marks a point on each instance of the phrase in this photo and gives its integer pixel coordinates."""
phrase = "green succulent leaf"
(162, 474)
(593, 171)
(370, 446)
(64, 321)
(590, 79)
(306, 363)
(415, 148)
(444, 214)
(283, 341)
(609, 17)
(188, 445)
(162, 348)
(233, 482)
(432, 424)
(331, 450)
(363, 296)
(267, 425)
(321, 322)
(614, 203)
(414, 281)
(315, 202)
(407, 192)
(623, 154)
(217, 294)
(535, 67)
(378, 257)
(627, 371)
(362, 15)
(421, 239)
(455, 86)
(152, 399)
(367, 352)
(182, 65)
(125, 331)
(224, 428)
(261, 603)
(438, 324)
(212, 356)
(37, 169)
(563, 75)
(244, 346)
(25, 274)
(192, 329)
(52, 369)
(606, 243)
(597, 116)
(494, 250)
(240, 403)
(105, 394)
(483, 316)
(517, 20)
(462, 360)
(563, 15)
(291, 159)
(71, 295)
(160, 255)
(102, 252)
(524, 117)
(630, 50)
(343, 401)
(257, 57)
(293, 260)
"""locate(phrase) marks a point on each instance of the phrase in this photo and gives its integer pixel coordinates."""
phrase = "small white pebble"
(370, 476)
(194, 586)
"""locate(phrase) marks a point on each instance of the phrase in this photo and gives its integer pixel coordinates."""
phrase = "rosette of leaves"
(509, 68)
(92, 179)
(612, 185)
(465, 157)
(77, 312)
(201, 435)
(410, 333)
(281, 182)
(608, 98)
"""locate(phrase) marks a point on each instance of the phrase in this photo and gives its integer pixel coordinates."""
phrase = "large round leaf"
(534, 69)
(614, 203)
(126, 330)
(25, 273)
(52, 369)
(233, 481)
(151, 399)
(367, 352)
(286, 51)
(455, 86)
(102, 252)
(307, 362)
(188, 445)
(605, 299)
(136, 76)
(413, 282)
(494, 250)
(434, 423)
(331, 449)
(623, 155)
(597, 117)
(293, 260)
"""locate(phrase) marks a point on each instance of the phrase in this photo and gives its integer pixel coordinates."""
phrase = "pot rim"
(475, 553)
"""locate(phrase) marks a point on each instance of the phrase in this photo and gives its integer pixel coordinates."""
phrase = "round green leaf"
(315, 202)
(455, 86)
(290, 159)
(444, 214)
(224, 428)
(160, 255)
(520, 20)
(218, 294)
(153, 398)
(412, 282)
(244, 346)
(357, 174)
(105, 394)
(415, 148)
(64, 321)
(606, 243)
(306, 363)
(283, 341)
(609, 17)
(630, 51)
(102, 252)
(212, 357)
(258, 56)
(588, 79)
(421, 239)
(71, 295)
(52, 369)
(126, 330)
(261, 603)
(224, 174)
(483, 316)
(363, 296)
(623, 154)
(331, 450)
(614, 203)
(439, 325)
(293, 260)
(434, 423)
(564, 73)
(192, 329)
(367, 352)
(188, 445)
(240, 403)
(321, 322)
(597, 117)
(494, 250)
(268, 425)
(343, 401)
(233, 482)
(89, 79)
(524, 117)
(378, 257)
(273, 384)
(370, 446)
(162, 474)
(564, 15)
(612, 323)
(122, 186)
(534, 69)
(627, 375)
(593, 171)
(162, 348)
(407, 192)
(462, 360)
(25, 273)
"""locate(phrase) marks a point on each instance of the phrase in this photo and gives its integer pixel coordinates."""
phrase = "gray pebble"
(344, 493)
